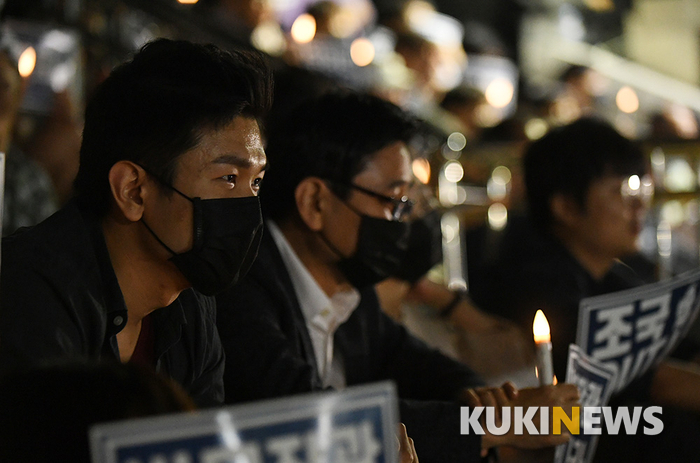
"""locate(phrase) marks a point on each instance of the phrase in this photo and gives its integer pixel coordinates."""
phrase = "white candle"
(543, 343)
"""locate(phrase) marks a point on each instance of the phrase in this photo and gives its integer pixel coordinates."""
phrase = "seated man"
(576, 178)
(166, 214)
(306, 317)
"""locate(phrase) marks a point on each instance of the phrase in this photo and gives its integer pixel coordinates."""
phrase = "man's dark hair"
(332, 137)
(568, 159)
(155, 107)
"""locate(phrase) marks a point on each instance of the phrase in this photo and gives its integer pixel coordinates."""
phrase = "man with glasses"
(306, 318)
(588, 192)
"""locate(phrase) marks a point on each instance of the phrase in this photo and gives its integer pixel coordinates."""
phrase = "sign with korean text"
(594, 381)
(631, 331)
(357, 425)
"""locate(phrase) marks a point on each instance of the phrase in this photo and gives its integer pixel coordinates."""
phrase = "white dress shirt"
(323, 315)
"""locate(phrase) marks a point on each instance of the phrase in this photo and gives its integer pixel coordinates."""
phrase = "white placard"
(594, 381)
(631, 331)
(357, 425)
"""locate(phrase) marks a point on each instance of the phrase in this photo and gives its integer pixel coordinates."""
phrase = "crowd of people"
(236, 234)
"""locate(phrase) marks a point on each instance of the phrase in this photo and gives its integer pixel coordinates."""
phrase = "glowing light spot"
(496, 190)
(536, 128)
(268, 37)
(600, 5)
(627, 100)
(421, 169)
(499, 93)
(502, 175)
(497, 216)
(664, 236)
(454, 172)
(187, 2)
(27, 62)
(456, 141)
(304, 28)
(634, 182)
(362, 52)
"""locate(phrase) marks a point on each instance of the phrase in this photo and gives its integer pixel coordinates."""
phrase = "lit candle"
(543, 342)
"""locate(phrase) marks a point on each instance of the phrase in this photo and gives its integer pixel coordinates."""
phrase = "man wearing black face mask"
(165, 215)
(306, 317)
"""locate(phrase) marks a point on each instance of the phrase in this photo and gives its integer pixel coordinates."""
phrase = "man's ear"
(126, 180)
(565, 209)
(311, 196)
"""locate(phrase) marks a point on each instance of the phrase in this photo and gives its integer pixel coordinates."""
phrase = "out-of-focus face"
(612, 219)
(387, 173)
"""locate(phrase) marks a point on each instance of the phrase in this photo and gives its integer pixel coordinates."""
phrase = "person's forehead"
(238, 143)
(610, 179)
(387, 166)
(391, 157)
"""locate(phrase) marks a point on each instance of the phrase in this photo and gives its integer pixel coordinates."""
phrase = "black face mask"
(226, 237)
(381, 245)
(424, 247)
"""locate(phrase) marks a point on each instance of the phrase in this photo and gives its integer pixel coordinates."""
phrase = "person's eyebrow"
(238, 161)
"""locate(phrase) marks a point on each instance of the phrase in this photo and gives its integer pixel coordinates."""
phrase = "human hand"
(407, 449)
(498, 397)
(562, 395)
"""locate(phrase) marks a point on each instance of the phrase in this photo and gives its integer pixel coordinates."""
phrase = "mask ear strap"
(164, 184)
(156, 237)
(345, 203)
(331, 246)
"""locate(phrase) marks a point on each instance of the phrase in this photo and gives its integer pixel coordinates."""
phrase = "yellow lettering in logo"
(559, 416)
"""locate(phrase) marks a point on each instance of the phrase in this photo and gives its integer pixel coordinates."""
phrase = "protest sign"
(357, 425)
(594, 381)
(631, 331)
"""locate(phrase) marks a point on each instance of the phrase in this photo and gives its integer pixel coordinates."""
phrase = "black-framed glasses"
(401, 207)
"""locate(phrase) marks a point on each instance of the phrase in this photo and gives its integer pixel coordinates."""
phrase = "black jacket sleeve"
(207, 384)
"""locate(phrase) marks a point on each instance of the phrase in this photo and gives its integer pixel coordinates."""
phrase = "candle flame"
(540, 328)
(555, 382)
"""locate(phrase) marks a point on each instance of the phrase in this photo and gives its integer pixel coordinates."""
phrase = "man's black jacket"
(60, 301)
(269, 354)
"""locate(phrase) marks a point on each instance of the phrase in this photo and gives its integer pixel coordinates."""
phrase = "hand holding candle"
(543, 342)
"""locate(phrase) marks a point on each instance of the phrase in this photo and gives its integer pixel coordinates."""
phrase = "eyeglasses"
(401, 207)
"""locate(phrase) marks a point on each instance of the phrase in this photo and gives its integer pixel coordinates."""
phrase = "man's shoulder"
(192, 301)
(60, 247)
(61, 228)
